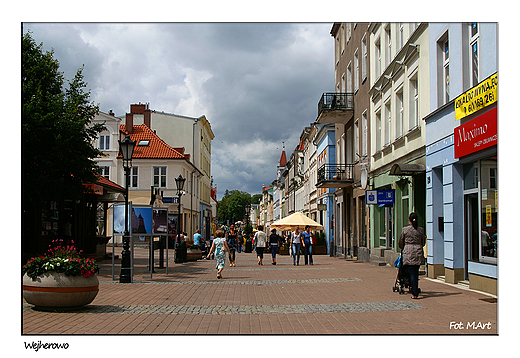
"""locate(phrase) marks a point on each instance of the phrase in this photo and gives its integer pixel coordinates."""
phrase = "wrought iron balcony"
(335, 175)
(336, 101)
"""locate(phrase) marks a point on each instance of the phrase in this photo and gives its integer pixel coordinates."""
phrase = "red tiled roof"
(156, 148)
(108, 183)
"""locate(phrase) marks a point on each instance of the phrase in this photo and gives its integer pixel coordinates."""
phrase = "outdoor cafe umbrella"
(296, 220)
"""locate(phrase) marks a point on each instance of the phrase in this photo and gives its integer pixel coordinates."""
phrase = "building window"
(356, 138)
(399, 115)
(159, 177)
(104, 171)
(446, 70)
(378, 131)
(104, 142)
(474, 36)
(388, 122)
(378, 58)
(364, 139)
(414, 104)
(356, 71)
(134, 176)
(388, 56)
(364, 60)
(400, 37)
(349, 78)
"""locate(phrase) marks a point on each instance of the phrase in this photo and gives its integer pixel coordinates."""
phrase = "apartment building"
(461, 154)
(195, 136)
(400, 98)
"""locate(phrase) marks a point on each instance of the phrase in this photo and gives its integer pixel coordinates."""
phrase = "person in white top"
(259, 242)
(296, 243)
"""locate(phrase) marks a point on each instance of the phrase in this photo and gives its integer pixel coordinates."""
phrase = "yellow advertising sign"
(478, 97)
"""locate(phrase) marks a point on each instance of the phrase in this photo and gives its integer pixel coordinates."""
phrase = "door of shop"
(471, 230)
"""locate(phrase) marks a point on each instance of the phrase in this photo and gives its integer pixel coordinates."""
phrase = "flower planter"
(319, 250)
(193, 254)
(284, 252)
(54, 290)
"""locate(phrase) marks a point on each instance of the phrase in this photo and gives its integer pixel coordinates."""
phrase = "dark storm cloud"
(257, 83)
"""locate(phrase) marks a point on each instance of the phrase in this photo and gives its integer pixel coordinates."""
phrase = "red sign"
(477, 134)
(94, 188)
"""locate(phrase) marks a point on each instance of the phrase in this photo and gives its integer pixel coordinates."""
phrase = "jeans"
(413, 271)
(274, 250)
(232, 254)
(296, 251)
(307, 251)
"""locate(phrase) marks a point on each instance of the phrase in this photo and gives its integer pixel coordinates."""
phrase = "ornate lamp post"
(126, 147)
(179, 258)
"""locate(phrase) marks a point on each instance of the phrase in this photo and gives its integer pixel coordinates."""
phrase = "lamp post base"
(126, 271)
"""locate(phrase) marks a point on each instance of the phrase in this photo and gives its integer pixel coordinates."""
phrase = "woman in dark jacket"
(411, 242)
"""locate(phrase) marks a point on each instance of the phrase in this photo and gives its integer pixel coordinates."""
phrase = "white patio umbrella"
(296, 220)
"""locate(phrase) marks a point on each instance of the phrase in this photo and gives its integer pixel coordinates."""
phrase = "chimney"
(147, 118)
(129, 122)
(111, 113)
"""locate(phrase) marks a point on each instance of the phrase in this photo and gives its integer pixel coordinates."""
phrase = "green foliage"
(256, 199)
(321, 239)
(232, 206)
(57, 133)
(248, 229)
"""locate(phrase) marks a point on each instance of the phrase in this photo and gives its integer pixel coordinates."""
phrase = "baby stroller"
(402, 280)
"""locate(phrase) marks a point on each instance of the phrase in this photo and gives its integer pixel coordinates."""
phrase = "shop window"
(488, 207)
(470, 176)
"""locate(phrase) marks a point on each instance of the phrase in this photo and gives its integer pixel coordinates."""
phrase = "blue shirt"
(196, 239)
(306, 238)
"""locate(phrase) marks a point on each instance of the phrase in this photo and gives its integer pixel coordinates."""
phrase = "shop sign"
(477, 134)
(378, 197)
(478, 97)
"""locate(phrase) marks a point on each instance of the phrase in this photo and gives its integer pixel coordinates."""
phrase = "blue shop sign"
(379, 197)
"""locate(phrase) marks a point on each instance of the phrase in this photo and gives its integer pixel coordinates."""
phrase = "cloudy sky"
(257, 83)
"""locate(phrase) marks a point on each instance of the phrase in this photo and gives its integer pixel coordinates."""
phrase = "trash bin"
(249, 246)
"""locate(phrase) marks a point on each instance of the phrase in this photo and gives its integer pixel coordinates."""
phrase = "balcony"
(335, 175)
(335, 108)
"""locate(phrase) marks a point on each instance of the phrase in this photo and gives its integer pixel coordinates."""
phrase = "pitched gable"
(149, 145)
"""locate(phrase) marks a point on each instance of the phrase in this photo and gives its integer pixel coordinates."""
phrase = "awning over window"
(407, 169)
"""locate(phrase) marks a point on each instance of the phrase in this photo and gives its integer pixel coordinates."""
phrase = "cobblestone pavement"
(333, 296)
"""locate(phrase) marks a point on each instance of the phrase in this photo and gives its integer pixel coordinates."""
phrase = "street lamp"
(126, 147)
(179, 246)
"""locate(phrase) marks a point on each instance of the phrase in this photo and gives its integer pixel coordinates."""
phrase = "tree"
(232, 206)
(57, 133)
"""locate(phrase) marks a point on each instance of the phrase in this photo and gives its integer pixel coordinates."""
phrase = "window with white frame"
(400, 37)
(364, 138)
(104, 171)
(388, 34)
(342, 84)
(356, 138)
(342, 37)
(364, 60)
(414, 103)
(134, 177)
(388, 121)
(378, 131)
(349, 31)
(446, 70)
(349, 78)
(159, 177)
(356, 71)
(104, 142)
(399, 114)
(473, 42)
(378, 58)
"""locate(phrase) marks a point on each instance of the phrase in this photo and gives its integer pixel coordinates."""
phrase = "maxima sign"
(477, 134)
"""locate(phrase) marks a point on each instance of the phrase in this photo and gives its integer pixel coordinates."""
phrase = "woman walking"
(232, 242)
(259, 243)
(220, 247)
(411, 242)
(296, 243)
(307, 245)
(274, 242)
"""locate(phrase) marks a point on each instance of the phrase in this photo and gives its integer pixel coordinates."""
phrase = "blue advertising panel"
(379, 197)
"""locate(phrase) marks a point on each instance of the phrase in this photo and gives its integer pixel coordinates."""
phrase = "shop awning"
(407, 169)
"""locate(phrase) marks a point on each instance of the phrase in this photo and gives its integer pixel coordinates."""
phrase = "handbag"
(399, 262)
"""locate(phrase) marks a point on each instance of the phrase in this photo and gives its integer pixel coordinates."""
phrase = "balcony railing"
(336, 172)
(336, 101)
